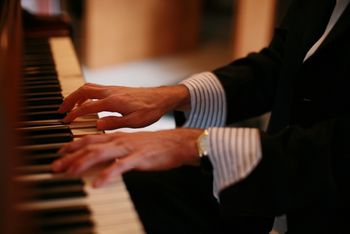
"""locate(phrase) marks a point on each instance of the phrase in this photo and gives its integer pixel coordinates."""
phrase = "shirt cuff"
(208, 101)
(233, 153)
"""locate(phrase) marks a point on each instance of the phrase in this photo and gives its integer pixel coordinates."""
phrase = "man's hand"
(146, 151)
(139, 107)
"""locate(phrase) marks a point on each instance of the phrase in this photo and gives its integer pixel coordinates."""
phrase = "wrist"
(177, 97)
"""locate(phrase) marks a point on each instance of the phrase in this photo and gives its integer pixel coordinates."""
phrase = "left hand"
(146, 151)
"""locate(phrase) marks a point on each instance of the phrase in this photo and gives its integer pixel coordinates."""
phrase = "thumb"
(111, 122)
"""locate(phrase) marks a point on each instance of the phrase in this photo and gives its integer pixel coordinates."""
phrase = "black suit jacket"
(306, 151)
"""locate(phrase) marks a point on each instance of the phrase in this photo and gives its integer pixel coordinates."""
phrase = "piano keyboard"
(59, 204)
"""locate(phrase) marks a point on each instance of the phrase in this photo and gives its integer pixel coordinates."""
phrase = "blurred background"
(154, 42)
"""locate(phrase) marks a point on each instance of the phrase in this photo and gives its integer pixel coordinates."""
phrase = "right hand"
(139, 107)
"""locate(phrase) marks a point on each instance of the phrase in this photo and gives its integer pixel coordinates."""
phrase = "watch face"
(203, 144)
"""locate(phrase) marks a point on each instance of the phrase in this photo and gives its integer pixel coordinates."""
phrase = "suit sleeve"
(300, 168)
(250, 83)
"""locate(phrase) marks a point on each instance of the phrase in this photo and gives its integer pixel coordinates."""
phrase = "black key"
(44, 129)
(42, 88)
(66, 222)
(36, 123)
(40, 73)
(48, 138)
(42, 115)
(41, 95)
(40, 149)
(40, 159)
(30, 170)
(52, 182)
(58, 192)
(39, 82)
(43, 101)
(53, 107)
(74, 210)
(40, 78)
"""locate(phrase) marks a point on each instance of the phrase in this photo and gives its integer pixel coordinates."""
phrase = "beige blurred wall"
(253, 25)
(117, 31)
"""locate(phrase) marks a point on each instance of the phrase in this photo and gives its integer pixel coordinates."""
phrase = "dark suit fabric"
(304, 170)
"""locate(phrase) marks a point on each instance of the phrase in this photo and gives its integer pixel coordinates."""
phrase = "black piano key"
(66, 222)
(48, 138)
(40, 73)
(73, 210)
(37, 51)
(42, 95)
(52, 182)
(43, 101)
(39, 82)
(44, 129)
(40, 149)
(39, 78)
(54, 188)
(34, 123)
(42, 115)
(68, 219)
(42, 88)
(38, 68)
(40, 159)
(36, 62)
(39, 108)
(35, 169)
(87, 229)
(55, 193)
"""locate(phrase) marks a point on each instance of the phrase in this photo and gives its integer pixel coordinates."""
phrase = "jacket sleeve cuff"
(208, 101)
(233, 153)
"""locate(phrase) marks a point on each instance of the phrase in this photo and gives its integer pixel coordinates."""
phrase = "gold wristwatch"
(203, 144)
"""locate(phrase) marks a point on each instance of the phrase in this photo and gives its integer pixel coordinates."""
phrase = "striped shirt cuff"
(233, 153)
(208, 101)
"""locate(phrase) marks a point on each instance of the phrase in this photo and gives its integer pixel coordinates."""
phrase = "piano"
(47, 202)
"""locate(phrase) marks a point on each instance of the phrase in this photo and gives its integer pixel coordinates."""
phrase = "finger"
(132, 120)
(87, 91)
(117, 168)
(62, 164)
(86, 140)
(81, 101)
(101, 153)
(111, 122)
(87, 108)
